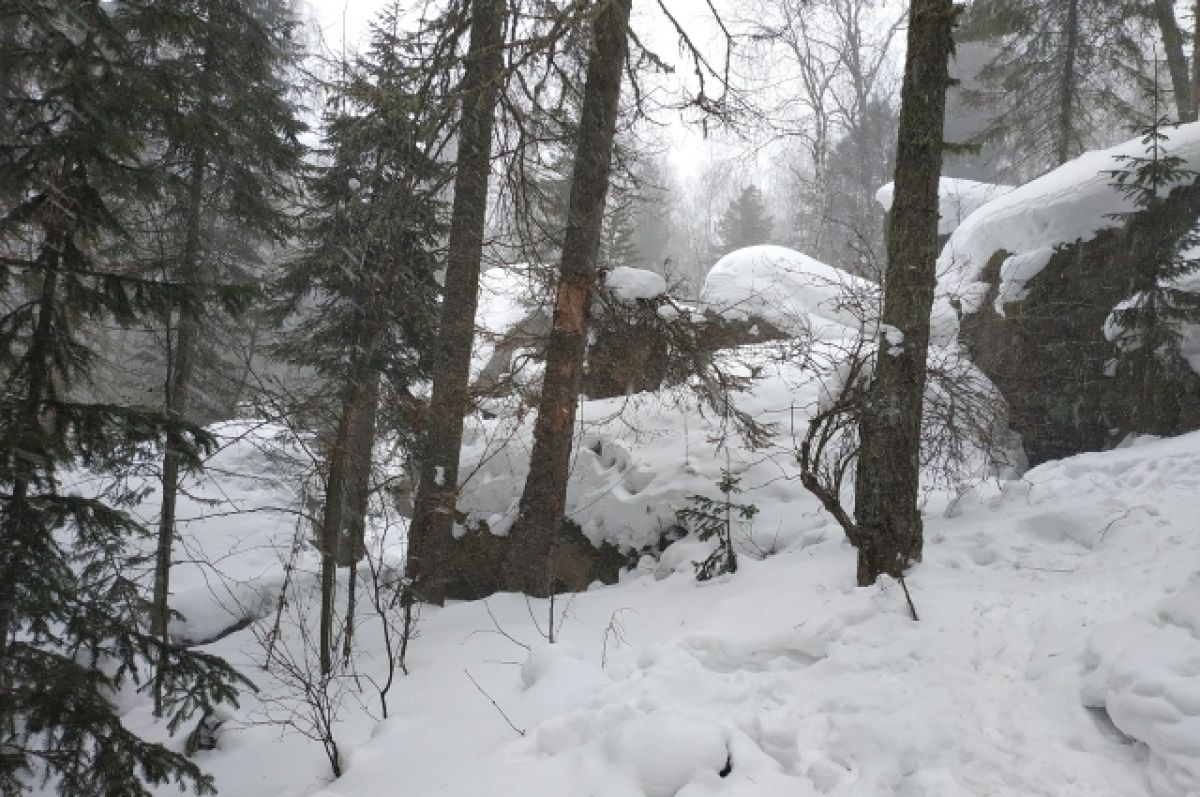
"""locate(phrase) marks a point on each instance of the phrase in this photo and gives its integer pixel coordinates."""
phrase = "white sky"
(684, 145)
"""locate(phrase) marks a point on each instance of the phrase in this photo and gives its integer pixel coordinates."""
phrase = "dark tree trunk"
(538, 529)
(181, 359)
(431, 531)
(1196, 58)
(352, 539)
(1181, 80)
(1066, 95)
(886, 512)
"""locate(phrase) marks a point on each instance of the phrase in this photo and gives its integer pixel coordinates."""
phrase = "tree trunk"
(1066, 96)
(539, 523)
(352, 538)
(1181, 81)
(886, 511)
(1196, 58)
(431, 530)
(181, 359)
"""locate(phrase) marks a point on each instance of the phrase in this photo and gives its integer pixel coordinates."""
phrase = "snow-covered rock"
(1073, 202)
(957, 199)
(629, 284)
(790, 290)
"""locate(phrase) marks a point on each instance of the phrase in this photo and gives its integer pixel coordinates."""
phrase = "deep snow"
(1043, 601)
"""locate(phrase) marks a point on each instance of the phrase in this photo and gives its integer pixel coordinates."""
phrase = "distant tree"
(83, 102)
(887, 527)
(745, 222)
(618, 244)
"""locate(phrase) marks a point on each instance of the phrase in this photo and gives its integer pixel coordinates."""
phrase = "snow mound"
(1145, 672)
(790, 290)
(957, 199)
(628, 284)
(1073, 202)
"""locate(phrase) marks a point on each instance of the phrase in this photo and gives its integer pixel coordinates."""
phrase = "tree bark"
(1066, 97)
(886, 511)
(1181, 80)
(431, 530)
(1196, 58)
(543, 501)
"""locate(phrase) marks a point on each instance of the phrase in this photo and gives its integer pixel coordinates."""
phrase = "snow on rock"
(1145, 673)
(790, 290)
(628, 284)
(957, 199)
(1073, 202)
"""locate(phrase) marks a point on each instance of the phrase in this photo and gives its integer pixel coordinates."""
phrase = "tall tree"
(543, 502)
(71, 618)
(229, 136)
(431, 530)
(889, 532)
(1062, 72)
(363, 294)
(745, 222)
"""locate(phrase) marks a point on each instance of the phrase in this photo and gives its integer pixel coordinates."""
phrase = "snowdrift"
(957, 199)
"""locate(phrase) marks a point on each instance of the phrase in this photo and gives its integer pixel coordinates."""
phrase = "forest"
(624, 398)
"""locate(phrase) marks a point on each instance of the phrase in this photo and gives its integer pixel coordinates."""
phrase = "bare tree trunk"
(431, 531)
(352, 537)
(1181, 81)
(181, 360)
(1066, 96)
(887, 516)
(543, 501)
(1196, 58)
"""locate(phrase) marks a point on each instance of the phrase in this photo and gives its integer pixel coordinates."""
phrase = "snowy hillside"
(1042, 602)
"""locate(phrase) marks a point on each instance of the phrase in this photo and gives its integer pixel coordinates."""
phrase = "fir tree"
(363, 292)
(228, 138)
(71, 633)
(745, 222)
(1056, 74)
(1146, 328)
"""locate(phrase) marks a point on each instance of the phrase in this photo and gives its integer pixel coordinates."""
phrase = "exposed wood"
(535, 553)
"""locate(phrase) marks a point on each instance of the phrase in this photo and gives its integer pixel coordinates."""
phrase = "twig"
(908, 597)
(492, 700)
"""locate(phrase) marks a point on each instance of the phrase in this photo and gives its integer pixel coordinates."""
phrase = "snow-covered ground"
(1042, 601)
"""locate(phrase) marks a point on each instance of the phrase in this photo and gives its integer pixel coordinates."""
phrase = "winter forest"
(612, 398)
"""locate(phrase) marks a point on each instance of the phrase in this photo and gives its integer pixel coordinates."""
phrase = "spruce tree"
(745, 222)
(363, 293)
(71, 617)
(1058, 75)
(1147, 327)
(227, 134)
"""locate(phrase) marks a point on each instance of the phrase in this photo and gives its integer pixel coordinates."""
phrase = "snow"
(1073, 202)
(803, 296)
(790, 290)
(629, 284)
(1057, 654)
(957, 199)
